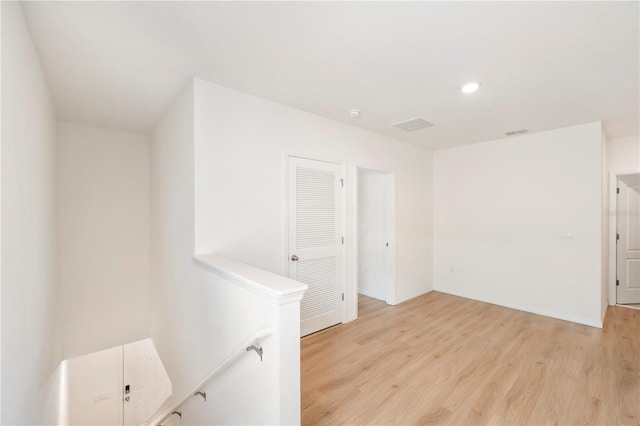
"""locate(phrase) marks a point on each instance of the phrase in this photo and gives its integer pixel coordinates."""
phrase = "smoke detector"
(354, 113)
(412, 125)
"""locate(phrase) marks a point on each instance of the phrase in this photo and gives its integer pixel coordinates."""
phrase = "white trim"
(276, 288)
(628, 307)
(312, 158)
(391, 297)
(351, 295)
(120, 369)
(343, 250)
(392, 291)
(613, 222)
(525, 308)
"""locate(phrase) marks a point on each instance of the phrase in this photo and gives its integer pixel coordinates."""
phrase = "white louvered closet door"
(315, 240)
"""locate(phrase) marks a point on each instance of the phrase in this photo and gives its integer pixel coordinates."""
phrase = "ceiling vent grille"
(516, 132)
(413, 124)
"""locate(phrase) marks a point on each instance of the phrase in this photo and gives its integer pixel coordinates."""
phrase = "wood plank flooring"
(442, 359)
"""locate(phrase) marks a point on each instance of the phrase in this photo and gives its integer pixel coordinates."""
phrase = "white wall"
(374, 232)
(0, 227)
(223, 316)
(175, 297)
(31, 349)
(241, 147)
(104, 237)
(199, 318)
(623, 154)
(501, 208)
(604, 226)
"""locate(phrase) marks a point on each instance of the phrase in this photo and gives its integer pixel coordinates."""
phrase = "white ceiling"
(542, 65)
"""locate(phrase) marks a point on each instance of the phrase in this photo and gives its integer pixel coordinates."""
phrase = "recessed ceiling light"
(354, 113)
(470, 87)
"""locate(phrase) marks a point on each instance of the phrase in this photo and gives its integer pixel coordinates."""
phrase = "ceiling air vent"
(516, 132)
(413, 124)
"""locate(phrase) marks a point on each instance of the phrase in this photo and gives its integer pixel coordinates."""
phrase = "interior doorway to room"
(628, 240)
(376, 234)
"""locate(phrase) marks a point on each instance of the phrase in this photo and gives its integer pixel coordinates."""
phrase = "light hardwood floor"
(442, 359)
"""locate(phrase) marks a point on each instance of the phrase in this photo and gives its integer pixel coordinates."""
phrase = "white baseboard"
(373, 294)
(525, 308)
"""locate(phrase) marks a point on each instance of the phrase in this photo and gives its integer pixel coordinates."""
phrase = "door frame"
(612, 295)
(392, 296)
(343, 224)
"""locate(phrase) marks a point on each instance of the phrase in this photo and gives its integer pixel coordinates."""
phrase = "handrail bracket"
(256, 348)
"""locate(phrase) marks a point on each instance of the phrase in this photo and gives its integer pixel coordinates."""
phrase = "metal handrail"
(252, 343)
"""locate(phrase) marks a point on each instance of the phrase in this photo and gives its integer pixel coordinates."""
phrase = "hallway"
(442, 359)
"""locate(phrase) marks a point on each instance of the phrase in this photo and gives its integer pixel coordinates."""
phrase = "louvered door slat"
(315, 208)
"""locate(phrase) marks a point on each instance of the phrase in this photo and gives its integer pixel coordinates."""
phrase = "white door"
(628, 247)
(316, 240)
(146, 383)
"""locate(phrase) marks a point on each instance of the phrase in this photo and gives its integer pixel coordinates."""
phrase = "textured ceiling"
(542, 65)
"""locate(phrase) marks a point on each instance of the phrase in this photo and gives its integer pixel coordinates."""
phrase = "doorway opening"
(376, 251)
(627, 219)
